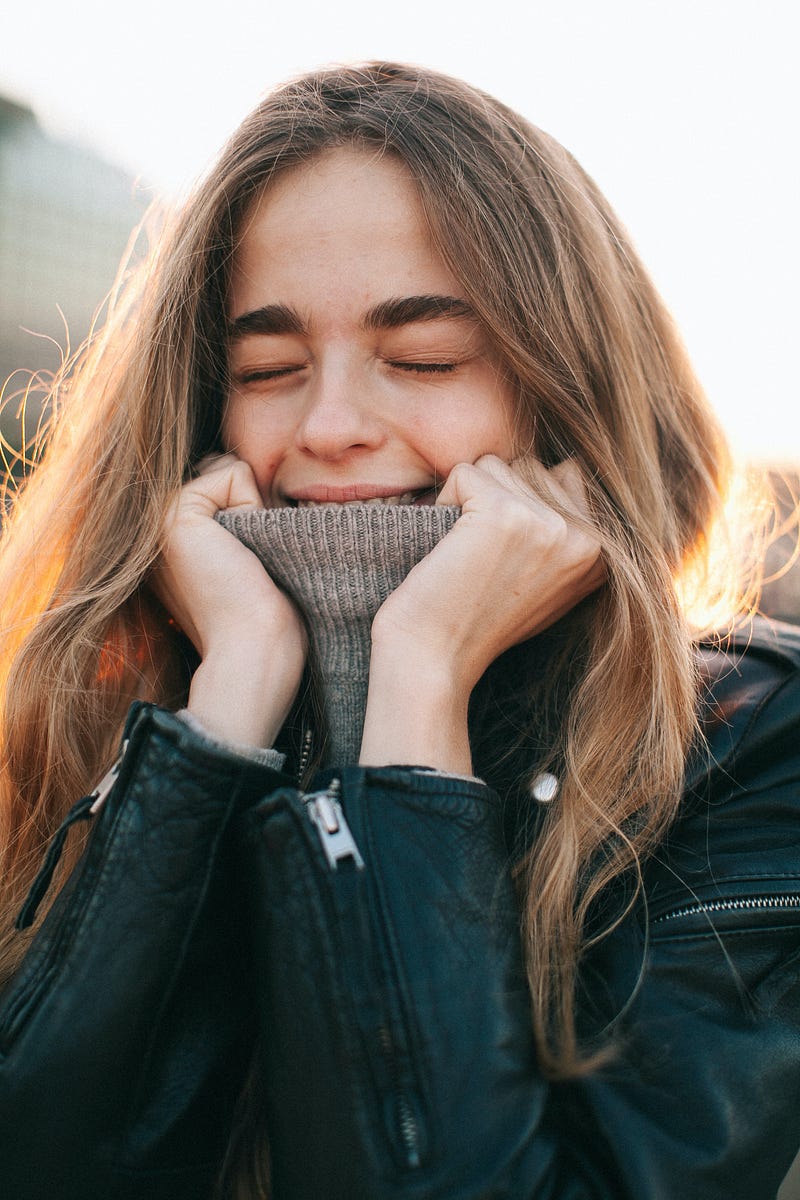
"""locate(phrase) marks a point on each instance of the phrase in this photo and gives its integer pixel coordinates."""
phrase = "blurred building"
(65, 220)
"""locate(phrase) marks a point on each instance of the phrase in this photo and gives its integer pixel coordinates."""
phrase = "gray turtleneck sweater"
(339, 563)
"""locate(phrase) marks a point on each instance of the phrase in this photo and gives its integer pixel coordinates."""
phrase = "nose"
(340, 413)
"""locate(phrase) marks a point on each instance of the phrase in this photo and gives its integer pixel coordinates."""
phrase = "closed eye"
(266, 373)
(425, 368)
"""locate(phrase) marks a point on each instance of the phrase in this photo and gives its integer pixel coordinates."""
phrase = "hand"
(510, 567)
(249, 635)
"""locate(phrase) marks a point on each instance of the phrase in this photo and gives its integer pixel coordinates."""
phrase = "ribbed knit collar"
(339, 563)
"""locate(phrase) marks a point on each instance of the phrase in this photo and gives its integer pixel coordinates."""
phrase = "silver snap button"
(544, 787)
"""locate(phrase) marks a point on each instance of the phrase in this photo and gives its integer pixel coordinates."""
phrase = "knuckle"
(511, 515)
(462, 473)
(488, 461)
(556, 532)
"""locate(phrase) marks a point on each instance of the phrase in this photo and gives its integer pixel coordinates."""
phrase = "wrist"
(416, 713)
(242, 691)
(456, 661)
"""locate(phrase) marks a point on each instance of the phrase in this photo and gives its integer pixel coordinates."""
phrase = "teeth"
(405, 498)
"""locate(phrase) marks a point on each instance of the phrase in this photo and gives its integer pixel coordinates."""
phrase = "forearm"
(243, 689)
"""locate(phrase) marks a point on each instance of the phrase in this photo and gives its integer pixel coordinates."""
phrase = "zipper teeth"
(405, 1122)
(743, 903)
(305, 754)
(409, 1128)
(338, 843)
(409, 1131)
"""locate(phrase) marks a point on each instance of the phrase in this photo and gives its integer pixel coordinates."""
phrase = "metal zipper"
(409, 1129)
(744, 903)
(27, 997)
(85, 808)
(328, 816)
(100, 793)
(305, 754)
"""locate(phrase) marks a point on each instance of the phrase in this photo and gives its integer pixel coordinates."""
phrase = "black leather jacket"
(376, 926)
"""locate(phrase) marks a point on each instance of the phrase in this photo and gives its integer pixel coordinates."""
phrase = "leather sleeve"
(706, 1080)
(125, 1035)
(399, 1060)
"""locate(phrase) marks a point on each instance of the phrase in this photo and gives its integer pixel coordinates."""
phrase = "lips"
(344, 497)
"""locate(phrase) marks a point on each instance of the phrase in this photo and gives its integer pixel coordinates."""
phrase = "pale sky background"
(684, 112)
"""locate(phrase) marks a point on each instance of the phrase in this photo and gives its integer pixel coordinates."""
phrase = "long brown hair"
(601, 377)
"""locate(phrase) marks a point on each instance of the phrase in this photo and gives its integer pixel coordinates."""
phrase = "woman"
(398, 351)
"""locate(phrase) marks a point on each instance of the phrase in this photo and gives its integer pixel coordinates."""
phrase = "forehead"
(333, 186)
(347, 224)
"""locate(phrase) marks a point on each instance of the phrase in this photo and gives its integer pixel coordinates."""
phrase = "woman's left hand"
(509, 568)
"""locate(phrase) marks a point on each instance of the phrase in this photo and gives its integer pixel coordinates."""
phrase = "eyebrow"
(389, 314)
(271, 318)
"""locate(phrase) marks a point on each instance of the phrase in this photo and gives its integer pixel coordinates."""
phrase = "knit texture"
(339, 563)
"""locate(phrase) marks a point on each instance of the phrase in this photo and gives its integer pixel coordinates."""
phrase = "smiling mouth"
(419, 497)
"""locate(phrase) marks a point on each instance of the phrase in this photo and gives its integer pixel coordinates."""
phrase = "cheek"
(467, 432)
(492, 425)
(256, 443)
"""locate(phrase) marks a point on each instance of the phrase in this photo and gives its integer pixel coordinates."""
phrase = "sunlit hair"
(601, 377)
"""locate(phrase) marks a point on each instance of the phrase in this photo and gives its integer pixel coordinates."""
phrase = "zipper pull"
(38, 889)
(85, 808)
(100, 793)
(327, 814)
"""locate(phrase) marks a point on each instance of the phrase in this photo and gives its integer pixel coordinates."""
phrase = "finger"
(459, 486)
(569, 477)
(563, 484)
(467, 481)
(508, 475)
(242, 487)
(225, 482)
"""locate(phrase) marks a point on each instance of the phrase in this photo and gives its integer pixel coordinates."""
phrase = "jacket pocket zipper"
(101, 792)
(87, 807)
(28, 995)
(741, 904)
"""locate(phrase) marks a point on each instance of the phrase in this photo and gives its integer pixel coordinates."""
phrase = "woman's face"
(358, 370)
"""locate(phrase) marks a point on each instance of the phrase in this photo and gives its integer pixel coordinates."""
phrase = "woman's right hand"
(250, 637)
